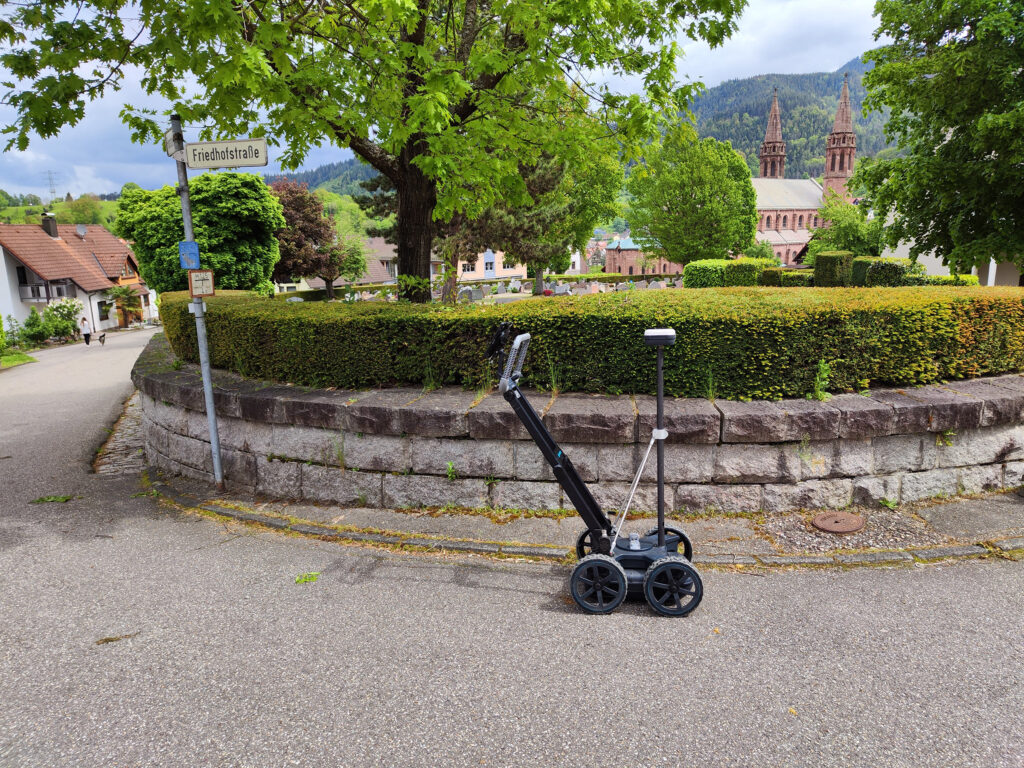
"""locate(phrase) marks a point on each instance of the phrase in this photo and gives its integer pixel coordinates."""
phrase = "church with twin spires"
(787, 209)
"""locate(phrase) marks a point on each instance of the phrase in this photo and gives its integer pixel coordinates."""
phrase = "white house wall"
(10, 297)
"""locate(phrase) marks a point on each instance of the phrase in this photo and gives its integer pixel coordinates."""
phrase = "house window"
(631, 270)
(127, 271)
(815, 221)
(59, 290)
(489, 266)
(104, 310)
(785, 221)
(769, 224)
(145, 299)
(508, 263)
(840, 162)
(664, 268)
(466, 267)
(800, 223)
(22, 276)
(833, 162)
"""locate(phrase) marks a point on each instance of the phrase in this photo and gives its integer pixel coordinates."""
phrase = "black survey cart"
(611, 564)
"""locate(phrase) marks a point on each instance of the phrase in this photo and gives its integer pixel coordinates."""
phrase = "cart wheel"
(672, 586)
(585, 543)
(598, 584)
(684, 540)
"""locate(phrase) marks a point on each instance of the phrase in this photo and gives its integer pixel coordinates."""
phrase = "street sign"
(200, 283)
(188, 254)
(226, 154)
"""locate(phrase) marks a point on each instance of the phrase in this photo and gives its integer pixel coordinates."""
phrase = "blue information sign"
(188, 254)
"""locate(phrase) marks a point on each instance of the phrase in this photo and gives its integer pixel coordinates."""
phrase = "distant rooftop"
(799, 194)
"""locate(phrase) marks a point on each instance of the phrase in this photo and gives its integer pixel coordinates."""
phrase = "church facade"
(787, 209)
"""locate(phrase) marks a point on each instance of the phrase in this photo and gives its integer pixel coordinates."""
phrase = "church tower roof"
(774, 132)
(773, 148)
(844, 115)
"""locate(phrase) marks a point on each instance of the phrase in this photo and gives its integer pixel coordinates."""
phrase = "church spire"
(773, 148)
(841, 146)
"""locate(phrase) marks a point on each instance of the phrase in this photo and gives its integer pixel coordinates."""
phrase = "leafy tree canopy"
(693, 199)
(306, 230)
(235, 217)
(849, 229)
(952, 77)
(446, 99)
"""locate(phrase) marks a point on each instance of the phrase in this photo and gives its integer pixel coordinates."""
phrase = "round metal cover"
(838, 522)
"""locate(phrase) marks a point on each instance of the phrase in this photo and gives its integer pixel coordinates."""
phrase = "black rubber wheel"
(672, 586)
(585, 543)
(598, 584)
(684, 540)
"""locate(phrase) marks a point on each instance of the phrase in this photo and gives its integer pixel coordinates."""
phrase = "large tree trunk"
(417, 198)
(329, 286)
(538, 281)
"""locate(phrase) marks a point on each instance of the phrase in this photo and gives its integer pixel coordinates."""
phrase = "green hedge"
(893, 273)
(731, 342)
(952, 279)
(771, 276)
(833, 269)
(595, 277)
(797, 278)
(705, 273)
(859, 271)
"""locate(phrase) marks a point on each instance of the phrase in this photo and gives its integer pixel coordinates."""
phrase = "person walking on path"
(86, 331)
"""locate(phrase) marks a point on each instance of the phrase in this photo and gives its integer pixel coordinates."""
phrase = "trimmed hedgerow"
(952, 279)
(735, 342)
(771, 276)
(859, 271)
(797, 278)
(893, 273)
(705, 273)
(833, 269)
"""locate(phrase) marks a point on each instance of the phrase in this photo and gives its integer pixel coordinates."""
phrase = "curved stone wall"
(406, 447)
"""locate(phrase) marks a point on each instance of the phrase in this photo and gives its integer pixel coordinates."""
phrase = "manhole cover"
(838, 522)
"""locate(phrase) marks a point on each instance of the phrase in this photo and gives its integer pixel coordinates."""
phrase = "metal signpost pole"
(198, 307)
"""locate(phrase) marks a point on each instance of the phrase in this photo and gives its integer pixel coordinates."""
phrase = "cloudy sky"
(784, 36)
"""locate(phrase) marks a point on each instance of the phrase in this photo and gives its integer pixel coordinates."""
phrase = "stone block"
(987, 477)
(861, 417)
(981, 446)
(321, 446)
(910, 416)
(382, 453)
(927, 485)
(999, 405)
(898, 453)
(834, 458)
(530, 464)
(721, 498)
(429, 491)
(756, 464)
(758, 421)
(578, 418)
(193, 453)
(948, 409)
(1013, 474)
(688, 420)
(317, 408)
(441, 413)
(470, 458)
(939, 553)
(239, 468)
(377, 412)
(344, 487)
(278, 479)
(809, 494)
(515, 494)
(810, 420)
(683, 464)
(868, 491)
(249, 436)
(874, 558)
(493, 418)
(618, 462)
(171, 417)
(612, 496)
(265, 405)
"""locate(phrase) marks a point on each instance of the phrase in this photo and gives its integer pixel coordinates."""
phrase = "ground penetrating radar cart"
(611, 565)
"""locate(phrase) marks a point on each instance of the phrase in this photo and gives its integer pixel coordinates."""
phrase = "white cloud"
(774, 36)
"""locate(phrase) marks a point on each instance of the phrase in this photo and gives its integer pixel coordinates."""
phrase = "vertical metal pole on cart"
(198, 307)
(661, 448)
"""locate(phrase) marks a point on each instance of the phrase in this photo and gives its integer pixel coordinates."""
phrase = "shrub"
(756, 343)
(3, 340)
(797, 278)
(744, 270)
(62, 317)
(35, 329)
(892, 273)
(859, 272)
(833, 269)
(952, 279)
(704, 273)
(771, 276)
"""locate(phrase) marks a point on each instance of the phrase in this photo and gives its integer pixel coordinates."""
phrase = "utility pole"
(176, 148)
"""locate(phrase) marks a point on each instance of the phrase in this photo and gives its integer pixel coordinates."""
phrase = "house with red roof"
(43, 263)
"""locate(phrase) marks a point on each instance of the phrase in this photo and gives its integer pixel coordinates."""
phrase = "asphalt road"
(392, 660)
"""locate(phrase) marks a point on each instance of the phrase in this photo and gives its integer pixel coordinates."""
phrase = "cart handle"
(514, 364)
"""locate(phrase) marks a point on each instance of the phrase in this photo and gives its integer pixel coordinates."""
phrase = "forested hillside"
(342, 178)
(737, 111)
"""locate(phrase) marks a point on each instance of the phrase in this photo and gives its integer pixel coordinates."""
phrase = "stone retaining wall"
(406, 447)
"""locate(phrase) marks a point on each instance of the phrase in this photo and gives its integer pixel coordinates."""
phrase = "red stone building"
(622, 256)
(787, 209)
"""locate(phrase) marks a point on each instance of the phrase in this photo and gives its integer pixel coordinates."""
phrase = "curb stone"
(557, 553)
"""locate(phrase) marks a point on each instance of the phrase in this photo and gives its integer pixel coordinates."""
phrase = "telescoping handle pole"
(660, 338)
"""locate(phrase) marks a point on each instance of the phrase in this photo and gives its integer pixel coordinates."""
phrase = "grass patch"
(53, 499)
(12, 359)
